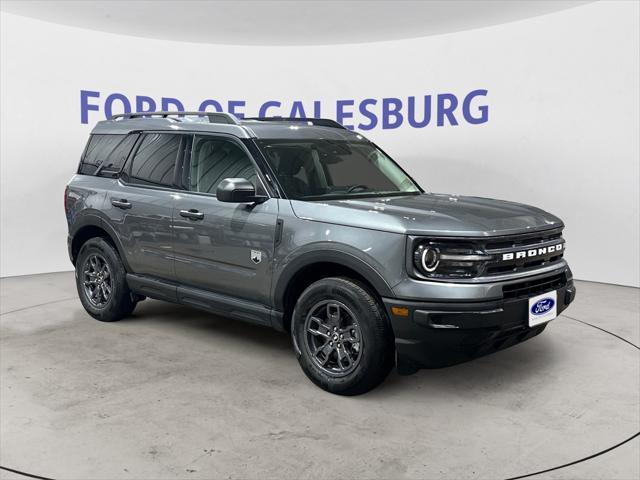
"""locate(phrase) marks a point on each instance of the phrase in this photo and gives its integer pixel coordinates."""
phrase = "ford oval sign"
(542, 306)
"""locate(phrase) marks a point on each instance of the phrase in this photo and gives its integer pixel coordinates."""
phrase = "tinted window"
(155, 159)
(107, 153)
(98, 150)
(317, 169)
(213, 160)
(360, 165)
(116, 159)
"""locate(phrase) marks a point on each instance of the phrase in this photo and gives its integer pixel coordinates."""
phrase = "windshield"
(328, 169)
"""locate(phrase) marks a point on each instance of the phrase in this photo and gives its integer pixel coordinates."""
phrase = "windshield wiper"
(355, 196)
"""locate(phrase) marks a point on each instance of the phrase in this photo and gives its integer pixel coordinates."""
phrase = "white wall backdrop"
(563, 129)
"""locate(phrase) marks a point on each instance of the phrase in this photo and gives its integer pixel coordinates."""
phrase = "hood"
(430, 214)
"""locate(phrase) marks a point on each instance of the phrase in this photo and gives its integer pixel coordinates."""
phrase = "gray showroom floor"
(176, 393)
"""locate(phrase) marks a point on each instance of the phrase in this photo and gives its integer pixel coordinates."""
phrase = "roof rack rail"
(214, 117)
(321, 122)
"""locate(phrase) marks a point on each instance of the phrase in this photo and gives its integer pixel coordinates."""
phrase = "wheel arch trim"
(339, 257)
(95, 219)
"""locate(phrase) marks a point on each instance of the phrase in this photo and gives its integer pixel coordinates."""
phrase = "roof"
(265, 128)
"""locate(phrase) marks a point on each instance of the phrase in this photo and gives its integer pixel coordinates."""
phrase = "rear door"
(223, 247)
(142, 202)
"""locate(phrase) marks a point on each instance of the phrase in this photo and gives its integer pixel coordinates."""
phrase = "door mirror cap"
(238, 190)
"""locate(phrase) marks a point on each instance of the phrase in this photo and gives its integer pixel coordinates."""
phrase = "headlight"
(444, 259)
(426, 258)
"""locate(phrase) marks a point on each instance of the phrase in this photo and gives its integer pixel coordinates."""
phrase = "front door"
(224, 248)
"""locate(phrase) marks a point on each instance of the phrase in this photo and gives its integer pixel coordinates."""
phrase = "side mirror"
(238, 190)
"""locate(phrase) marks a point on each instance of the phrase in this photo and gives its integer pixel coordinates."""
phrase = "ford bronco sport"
(309, 228)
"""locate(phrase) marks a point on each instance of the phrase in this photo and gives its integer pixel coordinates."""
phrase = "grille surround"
(487, 264)
(523, 243)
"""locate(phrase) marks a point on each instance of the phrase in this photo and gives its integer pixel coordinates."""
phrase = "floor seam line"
(603, 330)
(607, 450)
(38, 305)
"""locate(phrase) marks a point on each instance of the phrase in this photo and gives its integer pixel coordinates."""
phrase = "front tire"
(101, 282)
(344, 339)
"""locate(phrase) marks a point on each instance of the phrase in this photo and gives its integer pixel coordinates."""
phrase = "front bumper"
(433, 335)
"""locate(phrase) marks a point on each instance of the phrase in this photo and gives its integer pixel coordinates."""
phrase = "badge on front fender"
(256, 256)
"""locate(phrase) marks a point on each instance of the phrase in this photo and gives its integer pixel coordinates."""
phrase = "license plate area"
(543, 308)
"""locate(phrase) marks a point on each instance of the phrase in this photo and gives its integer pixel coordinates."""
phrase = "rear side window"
(106, 154)
(154, 161)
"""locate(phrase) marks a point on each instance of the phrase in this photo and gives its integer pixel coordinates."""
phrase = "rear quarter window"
(106, 154)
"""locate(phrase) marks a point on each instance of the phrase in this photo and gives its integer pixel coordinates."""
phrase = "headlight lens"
(438, 259)
(427, 258)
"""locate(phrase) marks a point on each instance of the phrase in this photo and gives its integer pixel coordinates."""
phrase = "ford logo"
(542, 306)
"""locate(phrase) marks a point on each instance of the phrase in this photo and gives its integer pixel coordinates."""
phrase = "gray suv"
(309, 228)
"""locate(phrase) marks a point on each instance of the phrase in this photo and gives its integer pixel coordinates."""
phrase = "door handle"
(122, 203)
(192, 214)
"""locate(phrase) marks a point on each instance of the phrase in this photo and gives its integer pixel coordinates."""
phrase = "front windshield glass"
(329, 169)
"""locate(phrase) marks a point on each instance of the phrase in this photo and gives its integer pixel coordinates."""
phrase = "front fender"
(326, 252)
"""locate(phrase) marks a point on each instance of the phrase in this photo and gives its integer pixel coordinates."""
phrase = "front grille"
(531, 288)
(490, 258)
(540, 241)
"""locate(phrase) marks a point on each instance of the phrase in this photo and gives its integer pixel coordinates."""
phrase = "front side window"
(155, 159)
(213, 159)
(329, 169)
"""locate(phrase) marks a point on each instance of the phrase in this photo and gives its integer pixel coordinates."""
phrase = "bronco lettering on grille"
(534, 252)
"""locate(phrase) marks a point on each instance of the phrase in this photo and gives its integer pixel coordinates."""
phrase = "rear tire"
(101, 282)
(343, 336)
